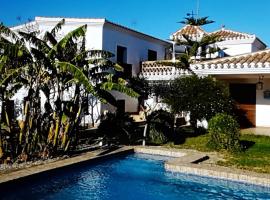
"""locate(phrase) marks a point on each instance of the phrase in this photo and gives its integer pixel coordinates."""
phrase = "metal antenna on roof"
(198, 9)
(195, 15)
(191, 14)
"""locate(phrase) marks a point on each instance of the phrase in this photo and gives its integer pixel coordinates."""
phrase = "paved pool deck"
(203, 164)
(257, 131)
(183, 161)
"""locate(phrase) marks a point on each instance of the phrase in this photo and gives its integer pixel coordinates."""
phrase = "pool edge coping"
(180, 163)
(219, 172)
(25, 173)
(185, 164)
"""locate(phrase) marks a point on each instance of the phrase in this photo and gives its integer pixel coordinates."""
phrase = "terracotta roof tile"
(229, 34)
(189, 31)
(257, 57)
(224, 34)
(260, 59)
(264, 58)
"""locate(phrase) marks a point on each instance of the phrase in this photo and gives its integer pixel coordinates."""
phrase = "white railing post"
(144, 134)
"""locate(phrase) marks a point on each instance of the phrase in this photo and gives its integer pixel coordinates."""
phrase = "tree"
(196, 49)
(193, 94)
(54, 68)
(15, 60)
(141, 86)
(202, 97)
(191, 20)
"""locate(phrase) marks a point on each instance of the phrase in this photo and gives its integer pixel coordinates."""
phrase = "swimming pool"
(136, 176)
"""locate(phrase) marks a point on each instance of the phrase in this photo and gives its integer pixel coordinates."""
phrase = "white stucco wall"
(102, 35)
(131, 104)
(93, 41)
(263, 106)
(137, 51)
(241, 46)
(233, 48)
(258, 45)
(136, 44)
(93, 34)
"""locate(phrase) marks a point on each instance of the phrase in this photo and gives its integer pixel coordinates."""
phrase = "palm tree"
(195, 49)
(198, 49)
(191, 20)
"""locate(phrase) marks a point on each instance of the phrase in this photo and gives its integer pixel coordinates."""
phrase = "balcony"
(161, 70)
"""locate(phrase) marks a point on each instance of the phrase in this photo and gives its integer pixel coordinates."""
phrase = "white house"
(130, 47)
(243, 62)
(232, 42)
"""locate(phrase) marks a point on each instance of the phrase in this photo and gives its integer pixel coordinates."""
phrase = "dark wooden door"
(244, 96)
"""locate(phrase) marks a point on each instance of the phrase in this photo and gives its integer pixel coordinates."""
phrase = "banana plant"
(22, 68)
(54, 67)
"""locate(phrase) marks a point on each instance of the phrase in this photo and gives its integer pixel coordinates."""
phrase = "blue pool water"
(137, 177)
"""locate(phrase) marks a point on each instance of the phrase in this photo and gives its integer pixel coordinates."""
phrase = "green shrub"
(156, 137)
(224, 133)
(160, 127)
(202, 97)
(117, 128)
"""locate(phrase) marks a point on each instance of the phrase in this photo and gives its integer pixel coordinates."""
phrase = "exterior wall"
(237, 47)
(102, 35)
(93, 41)
(131, 104)
(137, 51)
(137, 46)
(258, 45)
(18, 101)
(93, 34)
(233, 48)
(263, 106)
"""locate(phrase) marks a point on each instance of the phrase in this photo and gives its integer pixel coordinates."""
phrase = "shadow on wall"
(243, 119)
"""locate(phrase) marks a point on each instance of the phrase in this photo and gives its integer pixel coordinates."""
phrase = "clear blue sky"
(154, 17)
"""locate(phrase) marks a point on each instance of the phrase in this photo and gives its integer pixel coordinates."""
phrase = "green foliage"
(197, 142)
(203, 97)
(109, 85)
(256, 156)
(140, 85)
(77, 75)
(194, 50)
(197, 49)
(160, 127)
(156, 137)
(53, 67)
(224, 133)
(118, 128)
(191, 20)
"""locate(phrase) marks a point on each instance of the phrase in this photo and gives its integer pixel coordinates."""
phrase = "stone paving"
(185, 163)
(257, 131)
